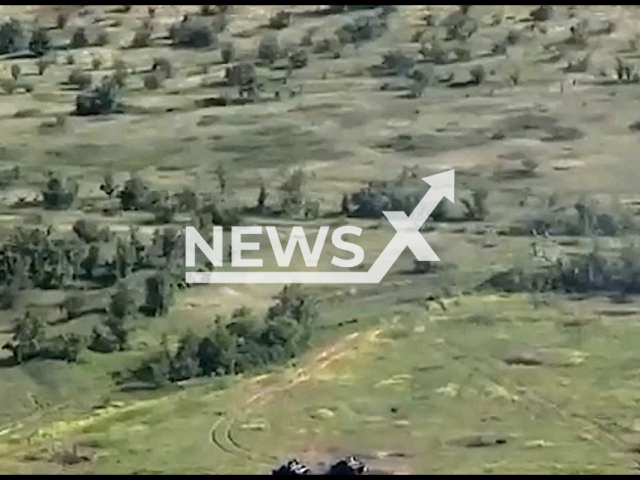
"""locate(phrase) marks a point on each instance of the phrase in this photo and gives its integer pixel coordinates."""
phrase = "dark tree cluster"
(30, 341)
(594, 272)
(239, 345)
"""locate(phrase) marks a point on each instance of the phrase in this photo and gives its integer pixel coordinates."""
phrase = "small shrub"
(61, 20)
(163, 66)
(542, 13)
(122, 303)
(71, 60)
(134, 194)
(579, 34)
(435, 52)
(80, 79)
(514, 76)
(298, 59)
(57, 195)
(241, 75)
(361, 29)
(513, 36)
(477, 74)
(15, 71)
(152, 81)
(194, 32)
(99, 100)
(142, 38)
(87, 231)
(624, 71)
(42, 64)
(280, 20)
(40, 42)
(73, 305)
(421, 80)
(96, 62)
(307, 38)
(397, 62)
(227, 52)
(331, 45)
(121, 73)
(477, 208)
(108, 185)
(8, 85)
(463, 54)
(12, 37)
(268, 49)
(499, 48)
(579, 65)
(79, 38)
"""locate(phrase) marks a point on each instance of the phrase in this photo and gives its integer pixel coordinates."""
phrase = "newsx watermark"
(407, 236)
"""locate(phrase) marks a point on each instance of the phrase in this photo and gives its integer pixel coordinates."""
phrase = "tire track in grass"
(222, 431)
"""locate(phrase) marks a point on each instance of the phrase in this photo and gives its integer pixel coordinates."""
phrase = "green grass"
(442, 372)
(419, 393)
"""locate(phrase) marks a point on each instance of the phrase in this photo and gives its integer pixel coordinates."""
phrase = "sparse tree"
(262, 197)
(73, 305)
(15, 71)
(227, 52)
(268, 49)
(108, 185)
(221, 174)
(159, 293)
(477, 74)
(122, 303)
(40, 42)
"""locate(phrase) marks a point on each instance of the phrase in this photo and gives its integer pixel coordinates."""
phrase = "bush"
(80, 79)
(88, 231)
(421, 80)
(280, 20)
(152, 81)
(241, 75)
(227, 52)
(73, 305)
(330, 45)
(15, 71)
(238, 346)
(436, 52)
(100, 100)
(96, 62)
(159, 293)
(477, 74)
(268, 49)
(298, 59)
(162, 66)
(79, 38)
(477, 208)
(40, 42)
(361, 29)
(194, 32)
(61, 20)
(397, 62)
(122, 303)
(57, 195)
(142, 38)
(134, 194)
(121, 73)
(542, 13)
(42, 64)
(12, 37)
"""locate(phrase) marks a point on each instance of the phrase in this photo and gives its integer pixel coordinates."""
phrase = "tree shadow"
(8, 362)
(84, 313)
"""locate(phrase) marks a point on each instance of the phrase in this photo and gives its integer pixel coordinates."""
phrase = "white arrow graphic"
(407, 235)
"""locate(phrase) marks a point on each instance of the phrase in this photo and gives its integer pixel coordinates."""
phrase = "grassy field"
(422, 373)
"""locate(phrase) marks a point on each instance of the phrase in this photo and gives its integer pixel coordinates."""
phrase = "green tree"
(159, 293)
